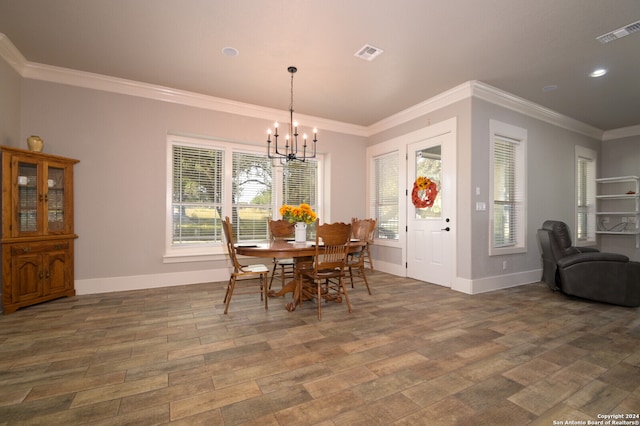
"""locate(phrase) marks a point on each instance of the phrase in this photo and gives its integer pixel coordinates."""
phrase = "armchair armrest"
(587, 249)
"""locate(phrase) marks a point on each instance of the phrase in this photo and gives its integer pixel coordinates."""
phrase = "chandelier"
(290, 151)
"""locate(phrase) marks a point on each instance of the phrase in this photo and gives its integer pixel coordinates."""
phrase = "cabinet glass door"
(28, 208)
(55, 199)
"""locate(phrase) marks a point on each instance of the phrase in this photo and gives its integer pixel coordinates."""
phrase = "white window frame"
(393, 146)
(216, 251)
(590, 157)
(517, 136)
(374, 195)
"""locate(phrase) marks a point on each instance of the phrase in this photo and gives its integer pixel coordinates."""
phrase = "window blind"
(507, 193)
(197, 198)
(251, 195)
(384, 203)
(212, 179)
(585, 199)
(300, 183)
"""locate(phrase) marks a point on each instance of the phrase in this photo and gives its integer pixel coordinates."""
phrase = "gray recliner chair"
(586, 272)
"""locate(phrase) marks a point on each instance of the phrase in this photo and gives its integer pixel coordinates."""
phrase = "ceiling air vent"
(368, 52)
(619, 33)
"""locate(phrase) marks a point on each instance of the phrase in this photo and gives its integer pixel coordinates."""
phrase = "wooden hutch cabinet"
(37, 228)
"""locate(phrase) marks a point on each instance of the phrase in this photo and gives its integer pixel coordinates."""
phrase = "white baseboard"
(483, 285)
(140, 282)
(390, 268)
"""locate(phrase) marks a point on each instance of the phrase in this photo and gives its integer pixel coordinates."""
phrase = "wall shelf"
(618, 206)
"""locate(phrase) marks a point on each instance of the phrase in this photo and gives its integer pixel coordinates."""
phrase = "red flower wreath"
(424, 192)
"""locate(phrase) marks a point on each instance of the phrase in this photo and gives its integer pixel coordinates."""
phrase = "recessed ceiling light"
(598, 73)
(230, 51)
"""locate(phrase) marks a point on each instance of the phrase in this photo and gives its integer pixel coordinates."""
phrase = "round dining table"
(301, 252)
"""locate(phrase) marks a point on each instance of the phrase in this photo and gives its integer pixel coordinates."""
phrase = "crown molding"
(515, 103)
(440, 101)
(166, 94)
(11, 54)
(623, 132)
(466, 90)
(483, 91)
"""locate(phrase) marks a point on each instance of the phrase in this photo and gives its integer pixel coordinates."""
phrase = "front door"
(431, 227)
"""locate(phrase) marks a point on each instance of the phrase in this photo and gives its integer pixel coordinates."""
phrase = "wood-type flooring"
(412, 353)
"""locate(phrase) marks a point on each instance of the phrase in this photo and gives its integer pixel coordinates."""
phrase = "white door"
(431, 227)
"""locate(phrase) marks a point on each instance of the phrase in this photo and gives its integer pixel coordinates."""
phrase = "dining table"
(302, 254)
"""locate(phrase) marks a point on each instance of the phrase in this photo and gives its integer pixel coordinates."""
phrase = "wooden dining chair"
(355, 258)
(326, 277)
(284, 268)
(258, 271)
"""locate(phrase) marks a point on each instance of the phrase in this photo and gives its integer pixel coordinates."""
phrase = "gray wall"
(120, 182)
(620, 157)
(550, 184)
(550, 178)
(10, 99)
(462, 112)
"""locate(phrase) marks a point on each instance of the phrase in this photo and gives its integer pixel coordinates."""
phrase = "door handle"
(446, 229)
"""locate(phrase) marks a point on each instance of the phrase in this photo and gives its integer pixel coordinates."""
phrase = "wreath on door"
(424, 192)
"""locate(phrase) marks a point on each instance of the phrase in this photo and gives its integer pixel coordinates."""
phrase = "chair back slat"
(281, 229)
(372, 230)
(332, 245)
(360, 229)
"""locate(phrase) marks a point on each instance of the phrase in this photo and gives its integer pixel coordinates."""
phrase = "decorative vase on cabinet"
(35, 143)
(37, 228)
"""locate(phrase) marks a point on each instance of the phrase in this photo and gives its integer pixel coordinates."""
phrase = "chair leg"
(367, 253)
(273, 273)
(346, 295)
(319, 287)
(226, 294)
(351, 277)
(265, 289)
(364, 277)
(227, 297)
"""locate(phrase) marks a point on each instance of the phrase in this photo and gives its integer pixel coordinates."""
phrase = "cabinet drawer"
(38, 248)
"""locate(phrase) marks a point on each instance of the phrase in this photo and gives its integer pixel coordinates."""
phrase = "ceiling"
(430, 46)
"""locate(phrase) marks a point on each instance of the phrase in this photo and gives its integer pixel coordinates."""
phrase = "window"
(197, 194)
(384, 200)
(209, 180)
(508, 189)
(585, 196)
(251, 195)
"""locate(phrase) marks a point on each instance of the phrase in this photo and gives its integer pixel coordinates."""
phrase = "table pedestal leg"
(300, 263)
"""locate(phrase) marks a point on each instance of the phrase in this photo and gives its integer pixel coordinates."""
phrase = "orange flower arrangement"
(302, 213)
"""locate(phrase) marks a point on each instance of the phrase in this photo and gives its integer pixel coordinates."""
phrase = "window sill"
(506, 250)
(387, 243)
(193, 257)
